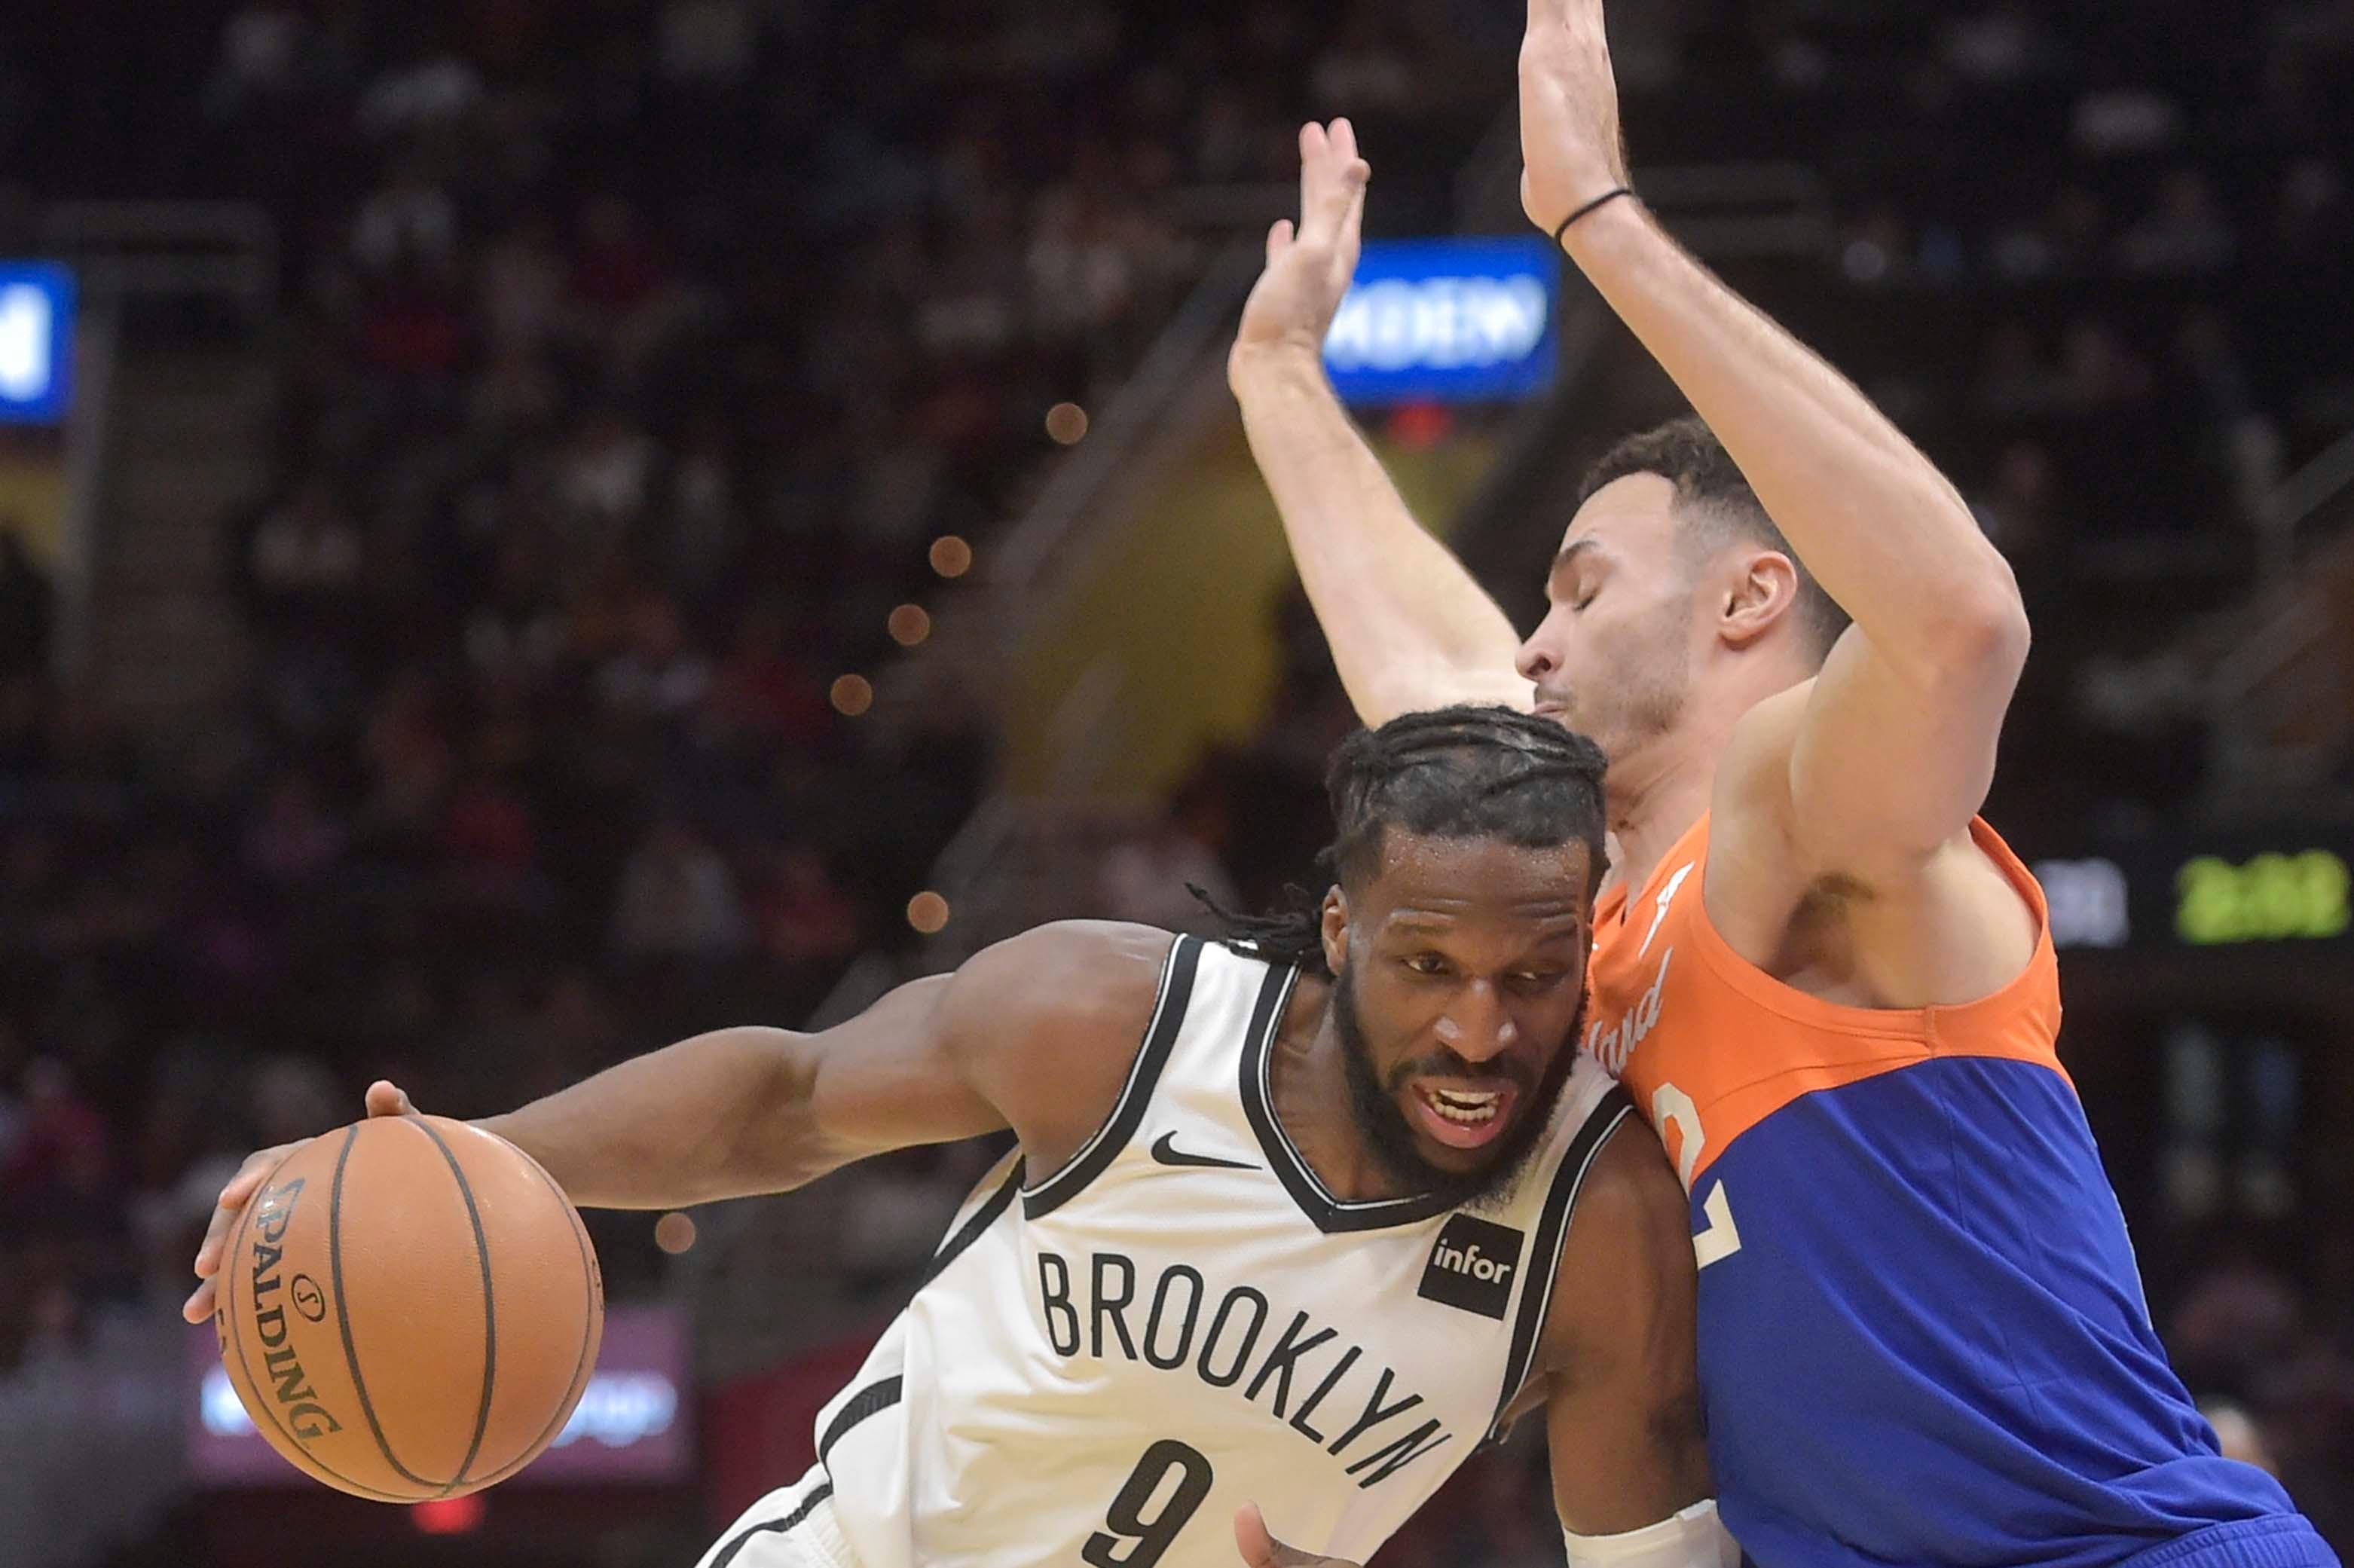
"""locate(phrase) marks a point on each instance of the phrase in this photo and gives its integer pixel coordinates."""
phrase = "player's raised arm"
(1409, 629)
(1035, 1033)
(1896, 746)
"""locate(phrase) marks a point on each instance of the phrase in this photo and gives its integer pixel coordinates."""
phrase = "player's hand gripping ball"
(408, 1307)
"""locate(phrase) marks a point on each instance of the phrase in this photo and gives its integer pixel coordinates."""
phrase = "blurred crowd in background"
(638, 360)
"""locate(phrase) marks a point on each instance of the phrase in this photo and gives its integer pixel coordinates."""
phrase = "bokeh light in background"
(674, 1233)
(909, 625)
(853, 695)
(1067, 424)
(951, 557)
(928, 913)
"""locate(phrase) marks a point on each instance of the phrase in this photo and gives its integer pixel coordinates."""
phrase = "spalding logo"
(273, 1212)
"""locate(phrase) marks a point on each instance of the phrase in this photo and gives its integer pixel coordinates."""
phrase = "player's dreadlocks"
(1455, 773)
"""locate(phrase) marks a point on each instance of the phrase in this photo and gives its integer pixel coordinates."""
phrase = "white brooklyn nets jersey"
(1103, 1364)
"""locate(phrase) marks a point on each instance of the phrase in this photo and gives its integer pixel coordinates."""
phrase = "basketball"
(409, 1308)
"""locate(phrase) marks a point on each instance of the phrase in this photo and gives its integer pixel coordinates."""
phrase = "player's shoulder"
(1073, 974)
(1049, 1021)
(1627, 1258)
(1623, 1276)
(1631, 1203)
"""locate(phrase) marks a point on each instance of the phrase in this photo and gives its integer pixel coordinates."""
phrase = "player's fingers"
(387, 1099)
(1354, 180)
(231, 1203)
(1329, 199)
(1318, 213)
(1251, 1538)
(199, 1305)
(1260, 1549)
(1278, 241)
(1344, 137)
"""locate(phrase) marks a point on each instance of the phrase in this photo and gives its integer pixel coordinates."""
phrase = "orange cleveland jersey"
(1923, 1338)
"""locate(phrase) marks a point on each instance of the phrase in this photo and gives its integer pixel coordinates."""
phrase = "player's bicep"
(1883, 768)
(1622, 1414)
(889, 1078)
(1035, 1033)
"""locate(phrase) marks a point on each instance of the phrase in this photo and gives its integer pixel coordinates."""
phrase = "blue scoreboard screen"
(1448, 321)
(36, 316)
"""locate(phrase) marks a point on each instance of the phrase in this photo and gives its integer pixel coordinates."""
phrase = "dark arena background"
(528, 531)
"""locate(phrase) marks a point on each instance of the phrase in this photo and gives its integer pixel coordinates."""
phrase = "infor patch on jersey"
(1472, 1266)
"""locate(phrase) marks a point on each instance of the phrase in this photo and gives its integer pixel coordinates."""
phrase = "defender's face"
(1612, 658)
(1463, 982)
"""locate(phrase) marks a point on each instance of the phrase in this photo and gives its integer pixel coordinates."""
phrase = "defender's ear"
(1336, 929)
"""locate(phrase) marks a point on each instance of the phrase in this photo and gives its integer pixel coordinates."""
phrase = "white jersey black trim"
(1552, 1235)
(1160, 1039)
(988, 1214)
(1347, 1356)
(872, 1399)
(802, 1511)
(1307, 1189)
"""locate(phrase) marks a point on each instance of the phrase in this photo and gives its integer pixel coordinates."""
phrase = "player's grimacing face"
(1459, 1002)
(1612, 659)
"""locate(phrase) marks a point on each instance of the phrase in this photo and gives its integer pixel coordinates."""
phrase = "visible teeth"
(1463, 1108)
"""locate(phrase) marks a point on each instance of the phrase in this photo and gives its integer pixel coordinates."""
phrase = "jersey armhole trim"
(1160, 1039)
(808, 1505)
(974, 1228)
(1608, 1115)
(872, 1399)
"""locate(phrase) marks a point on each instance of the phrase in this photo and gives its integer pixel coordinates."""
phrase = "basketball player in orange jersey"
(1830, 985)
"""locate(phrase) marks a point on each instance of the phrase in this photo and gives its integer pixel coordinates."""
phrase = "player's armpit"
(1618, 1369)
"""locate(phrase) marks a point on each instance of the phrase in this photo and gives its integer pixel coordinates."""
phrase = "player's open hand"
(1571, 150)
(1309, 264)
(382, 1099)
(1261, 1549)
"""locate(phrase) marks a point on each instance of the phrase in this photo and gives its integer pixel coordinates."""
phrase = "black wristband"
(1597, 205)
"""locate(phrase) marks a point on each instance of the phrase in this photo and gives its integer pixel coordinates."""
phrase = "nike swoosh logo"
(1166, 1152)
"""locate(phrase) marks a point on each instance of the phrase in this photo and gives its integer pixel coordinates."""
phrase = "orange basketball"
(409, 1308)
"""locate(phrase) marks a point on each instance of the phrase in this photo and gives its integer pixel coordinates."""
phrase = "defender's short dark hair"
(1716, 506)
(1464, 773)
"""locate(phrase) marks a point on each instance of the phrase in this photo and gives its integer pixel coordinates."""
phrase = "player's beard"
(1391, 1136)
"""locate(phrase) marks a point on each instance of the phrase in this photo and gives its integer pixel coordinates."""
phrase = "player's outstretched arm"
(1409, 629)
(1897, 746)
(1036, 1033)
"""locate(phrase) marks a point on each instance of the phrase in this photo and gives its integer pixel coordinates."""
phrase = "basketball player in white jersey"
(1306, 1217)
